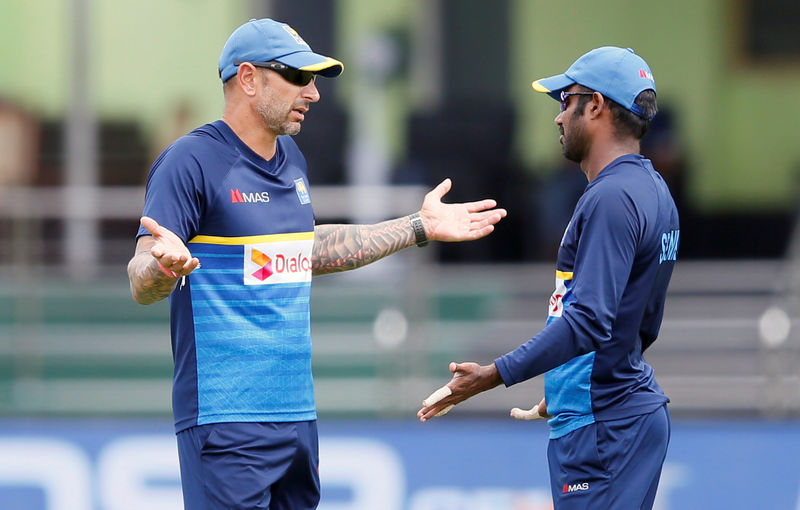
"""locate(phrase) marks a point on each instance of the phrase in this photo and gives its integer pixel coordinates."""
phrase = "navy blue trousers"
(238, 466)
(610, 465)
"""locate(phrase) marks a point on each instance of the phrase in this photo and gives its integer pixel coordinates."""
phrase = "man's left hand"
(457, 222)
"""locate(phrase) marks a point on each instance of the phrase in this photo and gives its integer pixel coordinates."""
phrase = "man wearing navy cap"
(609, 425)
(228, 234)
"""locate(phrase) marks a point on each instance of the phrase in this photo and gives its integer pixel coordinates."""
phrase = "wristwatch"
(419, 230)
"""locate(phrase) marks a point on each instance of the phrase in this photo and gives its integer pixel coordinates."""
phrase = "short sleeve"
(174, 192)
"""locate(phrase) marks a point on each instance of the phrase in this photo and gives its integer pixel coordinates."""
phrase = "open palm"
(169, 249)
(457, 222)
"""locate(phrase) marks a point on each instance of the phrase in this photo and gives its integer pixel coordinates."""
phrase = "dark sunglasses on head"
(290, 74)
(565, 96)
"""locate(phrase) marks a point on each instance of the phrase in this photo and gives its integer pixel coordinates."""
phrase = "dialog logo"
(556, 308)
(261, 259)
(277, 262)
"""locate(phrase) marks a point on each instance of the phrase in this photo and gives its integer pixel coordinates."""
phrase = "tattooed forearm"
(345, 247)
(148, 283)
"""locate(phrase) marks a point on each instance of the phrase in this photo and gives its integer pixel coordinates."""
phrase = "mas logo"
(237, 197)
(575, 487)
(278, 262)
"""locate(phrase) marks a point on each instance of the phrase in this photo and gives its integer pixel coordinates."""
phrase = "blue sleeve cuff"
(502, 369)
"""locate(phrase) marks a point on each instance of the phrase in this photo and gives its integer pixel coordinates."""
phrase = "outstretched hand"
(168, 249)
(457, 222)
(468, 380)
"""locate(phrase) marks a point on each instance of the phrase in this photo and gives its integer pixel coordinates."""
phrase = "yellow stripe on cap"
(538, 87)
(300, 236)
(327, 64)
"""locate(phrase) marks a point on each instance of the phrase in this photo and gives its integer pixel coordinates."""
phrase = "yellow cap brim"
(329, 68)
(538, 87)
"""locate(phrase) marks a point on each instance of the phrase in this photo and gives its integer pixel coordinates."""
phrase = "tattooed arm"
(344, 247)
(161, 259)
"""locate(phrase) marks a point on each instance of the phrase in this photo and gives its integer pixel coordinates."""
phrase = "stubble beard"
(276, 118)
(576, 145)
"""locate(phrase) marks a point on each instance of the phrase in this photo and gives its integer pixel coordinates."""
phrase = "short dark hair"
(627, 123)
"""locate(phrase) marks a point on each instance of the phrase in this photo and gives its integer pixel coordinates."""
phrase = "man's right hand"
(160, 260)
(168, 249)
(468, 380)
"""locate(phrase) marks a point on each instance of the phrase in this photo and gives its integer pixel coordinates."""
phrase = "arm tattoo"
(148, 283)
(345, 247)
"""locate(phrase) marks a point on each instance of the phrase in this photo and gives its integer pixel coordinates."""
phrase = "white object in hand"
(530, 414)
(438, 395)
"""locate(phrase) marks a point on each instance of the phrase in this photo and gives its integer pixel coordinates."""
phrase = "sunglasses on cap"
(290, 74)
(565, 96)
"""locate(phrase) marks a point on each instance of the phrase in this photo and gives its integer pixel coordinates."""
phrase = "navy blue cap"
(263, 40)
(617, 73)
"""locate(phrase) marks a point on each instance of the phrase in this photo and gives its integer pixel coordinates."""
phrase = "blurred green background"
(737, 107)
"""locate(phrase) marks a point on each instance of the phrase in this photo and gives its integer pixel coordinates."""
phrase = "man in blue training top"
(609, 426)
(228, 233)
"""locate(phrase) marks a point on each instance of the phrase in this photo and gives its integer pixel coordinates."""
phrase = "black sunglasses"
(565, 96)
(290, 74)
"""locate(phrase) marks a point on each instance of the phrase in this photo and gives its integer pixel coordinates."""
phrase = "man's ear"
(596, 105)
(246, 78)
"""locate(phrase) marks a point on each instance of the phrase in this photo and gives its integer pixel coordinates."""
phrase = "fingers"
(168, 249)
(190, 266)
(437, 395)
(150, 224)
(444, 411)
(482, 224)
(426, 413)
(480, 220)
(543, 409)
(171, 261)
(180, 264)
(492, 216)
(442, 189)
(430, 409)
(481, 205)
(466, 382)
(534, 413)
(479, 233)
(486, 208)
(530, 414)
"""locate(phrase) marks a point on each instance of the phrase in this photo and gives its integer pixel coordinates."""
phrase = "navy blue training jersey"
(614, 264)
(240, 324)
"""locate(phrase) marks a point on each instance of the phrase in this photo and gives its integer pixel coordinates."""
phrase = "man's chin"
(570, 155)
(292, 128)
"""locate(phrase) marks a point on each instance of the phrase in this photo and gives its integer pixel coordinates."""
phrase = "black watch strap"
(419, 230)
